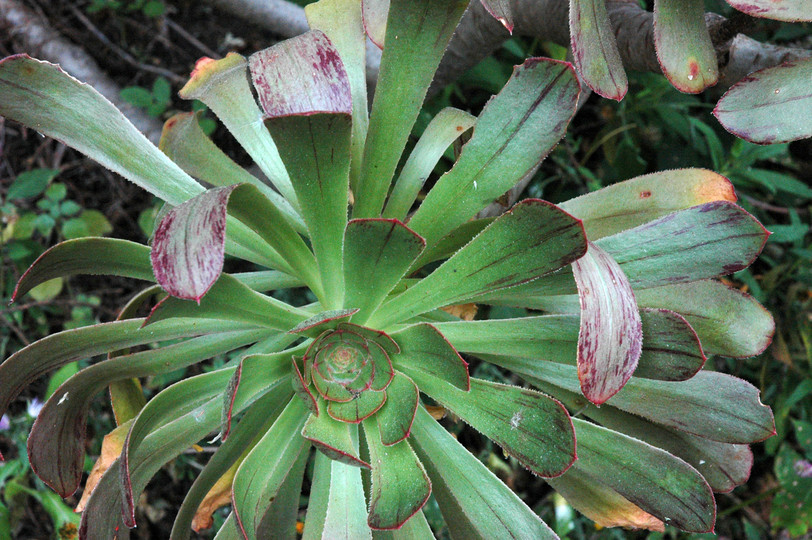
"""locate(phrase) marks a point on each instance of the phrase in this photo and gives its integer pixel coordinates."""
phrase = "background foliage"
(49, 197)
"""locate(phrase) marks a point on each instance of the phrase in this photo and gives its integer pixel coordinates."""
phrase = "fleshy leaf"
(189, 245)
(397, 414)
(771, 105)
(684, 48)
(447, 126)
(331, 437)
(319, 498)
(659, 483)
(423, 347)
(533, 239)
(320, 322)
(627, 204)
(377, 254)
(780, 10)
(453, 241)
(41, 95)
(110, 450)
(710, 404)
(228, 402)
(404, 78)
(611, 335)
(603, 505)
(297, 106)
(224, 87)
(229, 299)
(594, 49)
(56, 446)
(500, 9)
(360, 407)
(346, 508)
(375, 12)
(300, 388)
(400, 485)
(218, 496)
(514, 132)
(732, 324)
(267, 467)
(708, 240)
(474, 502)
(532, 427)
(87, 256)
(185, 143)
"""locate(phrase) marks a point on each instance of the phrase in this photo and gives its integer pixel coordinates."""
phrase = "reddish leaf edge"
(419, 507)
(414, 414)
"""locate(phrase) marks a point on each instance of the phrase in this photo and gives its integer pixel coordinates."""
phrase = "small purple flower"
(803, 468)
(34, 407)
(5, 422)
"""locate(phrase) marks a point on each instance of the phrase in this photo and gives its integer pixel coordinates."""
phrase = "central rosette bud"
(350, 368)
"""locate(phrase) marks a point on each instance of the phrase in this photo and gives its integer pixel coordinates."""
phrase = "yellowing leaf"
(111, 449)
(218, 496)
(466, 312)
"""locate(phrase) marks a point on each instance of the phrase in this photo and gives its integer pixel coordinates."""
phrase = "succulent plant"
(624, 276)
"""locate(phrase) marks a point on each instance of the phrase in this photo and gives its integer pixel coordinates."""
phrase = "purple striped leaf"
(611, 336)
(772, 105)
(189, 245)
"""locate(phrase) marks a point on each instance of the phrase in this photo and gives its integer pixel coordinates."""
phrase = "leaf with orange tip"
(218, 496)
(112, 444)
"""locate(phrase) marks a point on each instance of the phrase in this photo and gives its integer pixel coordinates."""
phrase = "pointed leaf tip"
(301, 76)
(500, 10)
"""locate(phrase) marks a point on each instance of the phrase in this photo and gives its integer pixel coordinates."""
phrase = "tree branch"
(42, 41)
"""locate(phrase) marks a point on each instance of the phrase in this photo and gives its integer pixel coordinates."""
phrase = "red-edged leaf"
(780, 10)
(333, 438)
(374, 13)
(397, 415)
(594, 49)
(772, 105)
(362, 406)
(228, 402)
(611, 335)
(500, 9)
(189, 245)
(276, 73)
(326, 320)
(684, 48)
(300, 387)
(423, 347)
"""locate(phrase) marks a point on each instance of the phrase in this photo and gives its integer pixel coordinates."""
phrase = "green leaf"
(403, 81)
(346, 507)
(60, 376)
(25, 366)
(397, 415)
(75, 228)
(363, 406)
(137, 95)
(30, 183)
(55, 192)
(313, 134)
(319, 498)
(611, 334)
(341, 21)
(280, 453)
(56, 446)
(162, 91)
(47, 290)
(594, 49)
(423, 348)
(453, 241)
(637, 201)
(87, 256)
(96, 223)
(683, 45)
(781, 10)
(230, 300)
(532, 427)
(792, 505)
(770, 105)
(659, 483)
(377, 254)
(446, 127)
(474, 502)
(333, 438)
(727, 321)
(400, 485)
(374, 16)
(186, 144)
(713, 405)
(533, 239)
(515, 131)
(223, 86)
(43, 96)
(713, 239)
